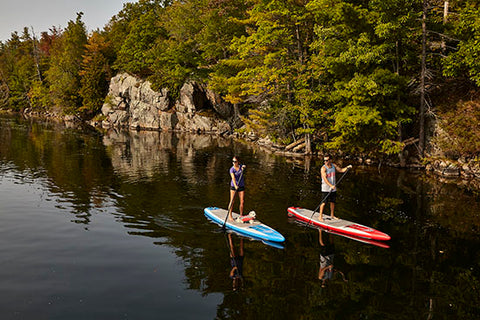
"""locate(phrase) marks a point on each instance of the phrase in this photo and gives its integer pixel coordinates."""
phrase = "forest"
(367, 77)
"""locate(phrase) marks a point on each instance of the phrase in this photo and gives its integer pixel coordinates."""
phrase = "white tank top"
(330, 172)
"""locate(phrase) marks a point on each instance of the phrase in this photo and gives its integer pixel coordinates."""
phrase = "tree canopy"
(347, 74)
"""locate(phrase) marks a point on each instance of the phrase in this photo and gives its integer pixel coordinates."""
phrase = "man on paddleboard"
(329, 191)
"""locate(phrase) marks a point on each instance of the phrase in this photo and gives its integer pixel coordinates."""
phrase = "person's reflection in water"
(327, 254)
(236, 262)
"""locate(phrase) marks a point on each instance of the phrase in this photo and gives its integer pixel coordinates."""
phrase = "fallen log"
(294, 144)
(299, 147)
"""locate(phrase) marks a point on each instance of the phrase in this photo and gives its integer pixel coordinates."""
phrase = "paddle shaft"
(230, 207)
(325, 198)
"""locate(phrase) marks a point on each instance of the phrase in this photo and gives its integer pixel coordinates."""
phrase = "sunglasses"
(326, 159)
(234, 161)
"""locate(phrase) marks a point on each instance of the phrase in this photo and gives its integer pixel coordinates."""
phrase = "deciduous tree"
(95, 74)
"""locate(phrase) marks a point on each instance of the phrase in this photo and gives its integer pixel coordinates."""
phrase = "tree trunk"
(421, 145)
(401, 155)
(445, 11)
(299, 45)
(35, 55)
(294, 144)
(308, 144)
(445, 19)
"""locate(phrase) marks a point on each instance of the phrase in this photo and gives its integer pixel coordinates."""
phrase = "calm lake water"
(111, 226)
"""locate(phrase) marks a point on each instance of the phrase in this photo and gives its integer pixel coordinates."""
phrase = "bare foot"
(333, 217)
(320, 219)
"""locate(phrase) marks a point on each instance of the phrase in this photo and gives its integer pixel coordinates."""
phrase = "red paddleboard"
(380, 244)
(337, 225)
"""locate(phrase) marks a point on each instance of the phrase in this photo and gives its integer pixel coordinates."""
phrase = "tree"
(197, 34)
(39, 92)
(359, 53)
(120, 25)
(135, 55)
(464, 61)
(271, 63)
(95, 75)
(18, 70)
(66, 59)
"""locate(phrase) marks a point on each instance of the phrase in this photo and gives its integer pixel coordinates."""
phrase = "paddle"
(230, 207)
(325, 198)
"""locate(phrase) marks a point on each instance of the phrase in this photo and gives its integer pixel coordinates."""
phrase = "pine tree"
(66, 58)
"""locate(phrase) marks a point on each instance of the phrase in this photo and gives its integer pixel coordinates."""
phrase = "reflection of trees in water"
(190, 159)
(76, 168)
(437, 260)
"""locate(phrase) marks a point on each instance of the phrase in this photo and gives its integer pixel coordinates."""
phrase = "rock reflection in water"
(141, 154)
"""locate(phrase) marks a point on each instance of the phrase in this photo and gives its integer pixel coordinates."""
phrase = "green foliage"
(94, 75)
(135, 55)
(465, 60)
(66, 58)
(197, 35)
(270, 63)
(17, 70)
(369, 113)
(259, 122)
(39, 96)
(357, 50)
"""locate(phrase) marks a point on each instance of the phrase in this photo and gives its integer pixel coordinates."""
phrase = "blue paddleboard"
(254, 229)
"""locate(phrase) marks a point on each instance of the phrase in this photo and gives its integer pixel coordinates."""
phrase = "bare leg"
(241, 196)
(241, 247)
(232, 253)
(320, 216)
(332, 209)
(230, 205)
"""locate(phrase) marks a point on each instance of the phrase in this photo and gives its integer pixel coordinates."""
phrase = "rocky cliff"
(132, 103)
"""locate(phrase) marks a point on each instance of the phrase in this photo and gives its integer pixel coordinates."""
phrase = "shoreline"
(463, 169)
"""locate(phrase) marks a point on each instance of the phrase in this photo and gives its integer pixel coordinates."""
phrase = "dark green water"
(112, 227)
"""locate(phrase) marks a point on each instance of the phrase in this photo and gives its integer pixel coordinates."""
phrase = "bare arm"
(342, 170)
(322, 271)
(324, 177)
(233, 180)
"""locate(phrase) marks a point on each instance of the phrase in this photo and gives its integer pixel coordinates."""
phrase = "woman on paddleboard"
(329, 190)
(237, 185)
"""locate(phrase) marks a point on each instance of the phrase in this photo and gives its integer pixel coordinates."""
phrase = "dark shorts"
(332, 197)
(239, 189)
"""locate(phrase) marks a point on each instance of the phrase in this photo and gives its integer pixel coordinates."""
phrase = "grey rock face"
(132, 103)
